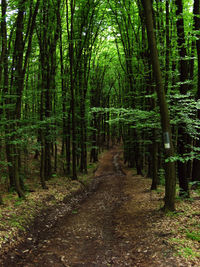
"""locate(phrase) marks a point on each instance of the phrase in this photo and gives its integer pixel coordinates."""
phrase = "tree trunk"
(68, 142)
(183, 65)
(94, 152)
(5, 91)
(72, 88)
(1, 200)
(165, 122)
(196, 163)
(167, 47)
(17, 88)
(154, 162)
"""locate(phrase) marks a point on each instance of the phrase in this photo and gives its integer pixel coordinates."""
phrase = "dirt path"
(112, 227)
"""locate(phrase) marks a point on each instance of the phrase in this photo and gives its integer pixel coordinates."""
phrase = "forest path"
(112, 227)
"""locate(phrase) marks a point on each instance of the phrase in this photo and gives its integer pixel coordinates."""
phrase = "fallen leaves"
(16, 214)
(152, 232)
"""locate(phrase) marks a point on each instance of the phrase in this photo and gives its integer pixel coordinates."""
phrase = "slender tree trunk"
(196, 163)
(42, 142)
(154, 162)
(167, 47)
(108, 129)
(72, 88)
(94, 152)
(17, 89)
(66, 118)
(183, 65)
(1, 200)
(68, 144)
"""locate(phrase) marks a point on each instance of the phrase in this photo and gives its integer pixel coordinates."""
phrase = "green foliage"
(188, 252)
(138, 119)
(184, 113)
(18, 202)
(196, 184)
(193, 235)
(17, 222)
(161, 176)
(74, 211)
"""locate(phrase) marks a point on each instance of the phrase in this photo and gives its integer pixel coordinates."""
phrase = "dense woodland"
(79, 76)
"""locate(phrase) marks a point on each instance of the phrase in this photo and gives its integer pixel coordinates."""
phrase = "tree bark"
(196, 11)
(165, 121)
(167, 47)
(17, 85)
(184, 74)
(6, 100)
(72, 88)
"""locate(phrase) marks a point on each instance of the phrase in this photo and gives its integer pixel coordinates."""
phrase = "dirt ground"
(115, 225)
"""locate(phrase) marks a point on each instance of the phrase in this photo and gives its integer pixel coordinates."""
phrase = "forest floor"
(116, 222)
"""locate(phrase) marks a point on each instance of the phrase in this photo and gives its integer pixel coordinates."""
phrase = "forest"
(78, 77)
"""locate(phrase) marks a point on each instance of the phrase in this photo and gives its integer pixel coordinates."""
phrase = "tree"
(76, 77)
(165, 122)
(196, 11)
(183, 66)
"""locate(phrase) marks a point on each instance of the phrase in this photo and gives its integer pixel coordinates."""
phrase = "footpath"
(119, 224)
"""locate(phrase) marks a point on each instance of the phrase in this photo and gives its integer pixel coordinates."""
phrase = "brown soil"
(113, 226)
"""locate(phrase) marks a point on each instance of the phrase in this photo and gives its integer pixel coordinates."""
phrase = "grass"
(188, 252)
(193, 235)
(186, 229)
(184, 226)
